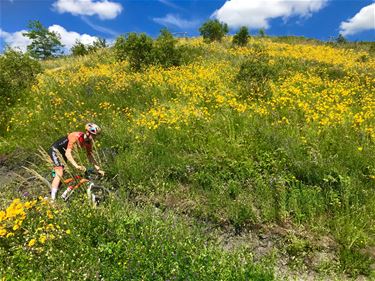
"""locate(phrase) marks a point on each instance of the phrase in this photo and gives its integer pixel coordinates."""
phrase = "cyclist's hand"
(81, 168)
(101, 172)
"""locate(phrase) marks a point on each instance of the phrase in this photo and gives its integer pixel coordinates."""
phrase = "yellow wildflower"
(2, 216)
(43, 238)
(49, 214)
(50, 227)
(30, 204)
(31, 242)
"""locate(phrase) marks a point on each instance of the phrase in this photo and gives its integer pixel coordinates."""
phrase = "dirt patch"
(6, 176)
(295, 252)
(3, 159)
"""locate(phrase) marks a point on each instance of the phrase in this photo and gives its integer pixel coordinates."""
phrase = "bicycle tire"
(99, 194)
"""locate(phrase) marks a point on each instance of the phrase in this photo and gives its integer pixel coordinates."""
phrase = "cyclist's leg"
(59, 168)
(56, 181)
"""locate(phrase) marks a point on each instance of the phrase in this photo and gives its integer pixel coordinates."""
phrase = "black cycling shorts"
(54, 155)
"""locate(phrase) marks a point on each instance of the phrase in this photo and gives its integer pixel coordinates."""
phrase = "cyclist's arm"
(93, 161)
(72, 139)
(68, 154)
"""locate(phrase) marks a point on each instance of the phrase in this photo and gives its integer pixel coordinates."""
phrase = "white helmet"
(93, 128)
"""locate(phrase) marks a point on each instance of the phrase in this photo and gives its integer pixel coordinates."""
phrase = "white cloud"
(176, 21)
(104, 9)
(100, 28)
(258, 13)
(169, 4)
(363, 20)
(15, 40)
(68, 38)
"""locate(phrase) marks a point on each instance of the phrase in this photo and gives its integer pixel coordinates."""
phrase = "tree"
(262, 32)
(99, 43)
(341, 39)
(165, 51)
(241, 37)
(79, 49)
(213, 30)
(45, 44)
(136, 48)
(372, 49)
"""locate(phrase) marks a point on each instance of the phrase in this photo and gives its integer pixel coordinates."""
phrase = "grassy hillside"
(272, 142)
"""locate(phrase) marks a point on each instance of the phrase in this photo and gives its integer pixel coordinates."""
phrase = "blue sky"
(86, 20)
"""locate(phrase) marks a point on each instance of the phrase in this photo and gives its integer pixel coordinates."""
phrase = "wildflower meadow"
(232, 165)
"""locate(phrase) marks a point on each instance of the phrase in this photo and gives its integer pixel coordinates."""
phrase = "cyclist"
(63, 147)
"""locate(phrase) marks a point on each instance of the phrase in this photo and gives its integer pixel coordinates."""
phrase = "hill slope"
(266, 151)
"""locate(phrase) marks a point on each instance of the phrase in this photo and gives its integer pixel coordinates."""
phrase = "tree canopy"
(213, 30)
(45, 44)
(241, 37)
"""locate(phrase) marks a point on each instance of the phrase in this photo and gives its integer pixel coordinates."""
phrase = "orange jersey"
(70, 140)
(78, 137)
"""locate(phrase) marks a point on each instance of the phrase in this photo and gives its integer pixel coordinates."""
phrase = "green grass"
(236, 171)
(119, 241)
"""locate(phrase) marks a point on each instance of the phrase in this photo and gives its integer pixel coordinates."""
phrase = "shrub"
(79, 49)
(190, 53)
(165, 51)
(330, 72)
(363, 58)
(142, 51)
(262, 32)
(371, 50)
(241, 37)
(254, 75)
(355, 263)
(24, 237)
(18, 72)
(136, 48)
(99, 43)
(213, 30)
(341, 39)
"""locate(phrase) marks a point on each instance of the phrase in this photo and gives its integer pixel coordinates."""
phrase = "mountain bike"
(38, 185)
(95, 193)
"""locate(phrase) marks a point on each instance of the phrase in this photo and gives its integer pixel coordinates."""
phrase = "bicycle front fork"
(90, 195)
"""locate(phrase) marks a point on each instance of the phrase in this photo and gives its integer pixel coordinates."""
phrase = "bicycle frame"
(76, 182)
(81, 181)
(72, 184)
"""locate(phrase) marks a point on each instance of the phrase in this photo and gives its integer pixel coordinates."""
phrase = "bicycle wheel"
(98, 194)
